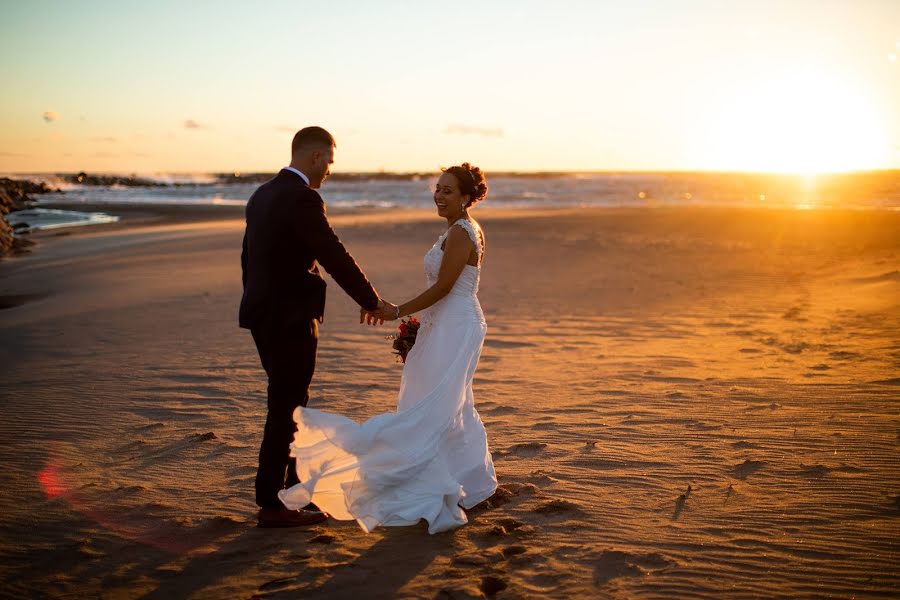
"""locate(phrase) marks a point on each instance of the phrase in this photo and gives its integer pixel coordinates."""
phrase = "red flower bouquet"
(405, 338)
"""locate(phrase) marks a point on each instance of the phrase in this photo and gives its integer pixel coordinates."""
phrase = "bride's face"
(450, 203)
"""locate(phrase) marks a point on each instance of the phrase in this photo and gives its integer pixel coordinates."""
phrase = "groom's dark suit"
(284, 299)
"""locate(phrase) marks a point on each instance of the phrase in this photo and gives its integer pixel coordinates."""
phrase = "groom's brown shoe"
(284, 517)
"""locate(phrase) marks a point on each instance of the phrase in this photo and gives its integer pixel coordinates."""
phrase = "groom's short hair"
(312, 137)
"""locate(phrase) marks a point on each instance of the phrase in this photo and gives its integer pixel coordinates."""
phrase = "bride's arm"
(457, 249)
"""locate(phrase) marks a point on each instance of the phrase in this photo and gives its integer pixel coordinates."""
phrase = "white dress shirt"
(300, 173)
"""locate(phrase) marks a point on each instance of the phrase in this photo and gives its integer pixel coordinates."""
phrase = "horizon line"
(500, 172)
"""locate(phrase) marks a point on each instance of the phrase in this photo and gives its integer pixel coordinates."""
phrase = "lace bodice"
(467, 284)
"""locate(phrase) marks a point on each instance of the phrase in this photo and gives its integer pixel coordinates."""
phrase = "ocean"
(878, 190)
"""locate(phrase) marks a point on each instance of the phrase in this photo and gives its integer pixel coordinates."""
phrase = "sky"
(166, 86)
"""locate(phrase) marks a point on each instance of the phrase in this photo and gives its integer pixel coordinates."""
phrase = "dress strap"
(469, 227)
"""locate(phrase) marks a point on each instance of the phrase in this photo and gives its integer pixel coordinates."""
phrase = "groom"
(287, 233)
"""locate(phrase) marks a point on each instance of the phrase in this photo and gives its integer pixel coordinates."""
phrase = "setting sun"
(799, 123)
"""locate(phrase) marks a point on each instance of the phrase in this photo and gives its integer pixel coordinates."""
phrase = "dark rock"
(15, 195)
(6, 236)
(243, 177)
(107, 180)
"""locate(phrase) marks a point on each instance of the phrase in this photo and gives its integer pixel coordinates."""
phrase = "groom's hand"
(371, 317)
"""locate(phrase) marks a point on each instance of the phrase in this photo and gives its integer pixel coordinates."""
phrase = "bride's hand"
(387, 312)
(384, 312)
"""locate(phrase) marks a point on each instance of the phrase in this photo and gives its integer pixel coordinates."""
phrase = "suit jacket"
(287, 233)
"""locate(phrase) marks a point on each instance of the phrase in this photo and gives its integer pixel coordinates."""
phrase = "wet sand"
(681, 403)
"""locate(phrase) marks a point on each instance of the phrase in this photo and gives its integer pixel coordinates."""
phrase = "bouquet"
(405, 337)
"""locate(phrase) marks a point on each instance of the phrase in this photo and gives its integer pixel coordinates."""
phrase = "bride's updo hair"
(471, 182)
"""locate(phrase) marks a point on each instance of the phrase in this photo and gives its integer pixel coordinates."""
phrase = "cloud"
(458, 128)
(192, 124)
(13, 154)
(285, 128)
(107, 139)
(50, 116)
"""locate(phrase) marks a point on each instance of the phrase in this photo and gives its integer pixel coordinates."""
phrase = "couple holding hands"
(429, 459)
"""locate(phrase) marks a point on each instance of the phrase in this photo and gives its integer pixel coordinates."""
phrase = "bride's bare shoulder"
(458, 233)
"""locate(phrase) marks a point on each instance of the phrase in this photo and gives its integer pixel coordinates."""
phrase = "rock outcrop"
(15, 195)
(109, 180)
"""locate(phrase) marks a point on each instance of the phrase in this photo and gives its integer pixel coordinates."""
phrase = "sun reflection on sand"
(806, 201)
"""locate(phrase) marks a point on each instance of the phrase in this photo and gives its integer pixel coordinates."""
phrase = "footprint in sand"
(516, 550)
(281, 584)
(743, 445)
(814, 471)
(770, 406)
(613, 564)
(196, 378)
(495, 343)
(491, 585)
(505, 493)
(541, 478)
(500, 410)
(557, 506)
(526, 449)
(150, 427)
(793, 314)
(747, 468)
(478, 560)
(523, 450)
(504, 527)
(545, 427)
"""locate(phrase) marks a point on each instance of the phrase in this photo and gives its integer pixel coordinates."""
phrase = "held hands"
(384, 312)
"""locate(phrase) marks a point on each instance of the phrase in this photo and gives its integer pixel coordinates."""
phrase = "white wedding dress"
(430, 459)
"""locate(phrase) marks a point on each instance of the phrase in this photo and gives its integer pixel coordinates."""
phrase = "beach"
(681, 402)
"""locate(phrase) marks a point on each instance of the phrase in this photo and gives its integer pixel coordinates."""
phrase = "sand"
(681, 403)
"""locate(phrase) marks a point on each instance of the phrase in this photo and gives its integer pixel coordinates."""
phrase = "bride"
(430, 459)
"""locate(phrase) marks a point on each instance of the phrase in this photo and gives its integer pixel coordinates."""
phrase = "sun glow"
(804, 123)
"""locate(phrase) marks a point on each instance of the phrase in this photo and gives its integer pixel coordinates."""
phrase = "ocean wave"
(875, 190)
(35, 219)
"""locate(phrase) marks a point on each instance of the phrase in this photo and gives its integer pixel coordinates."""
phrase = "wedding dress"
(428, 460)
